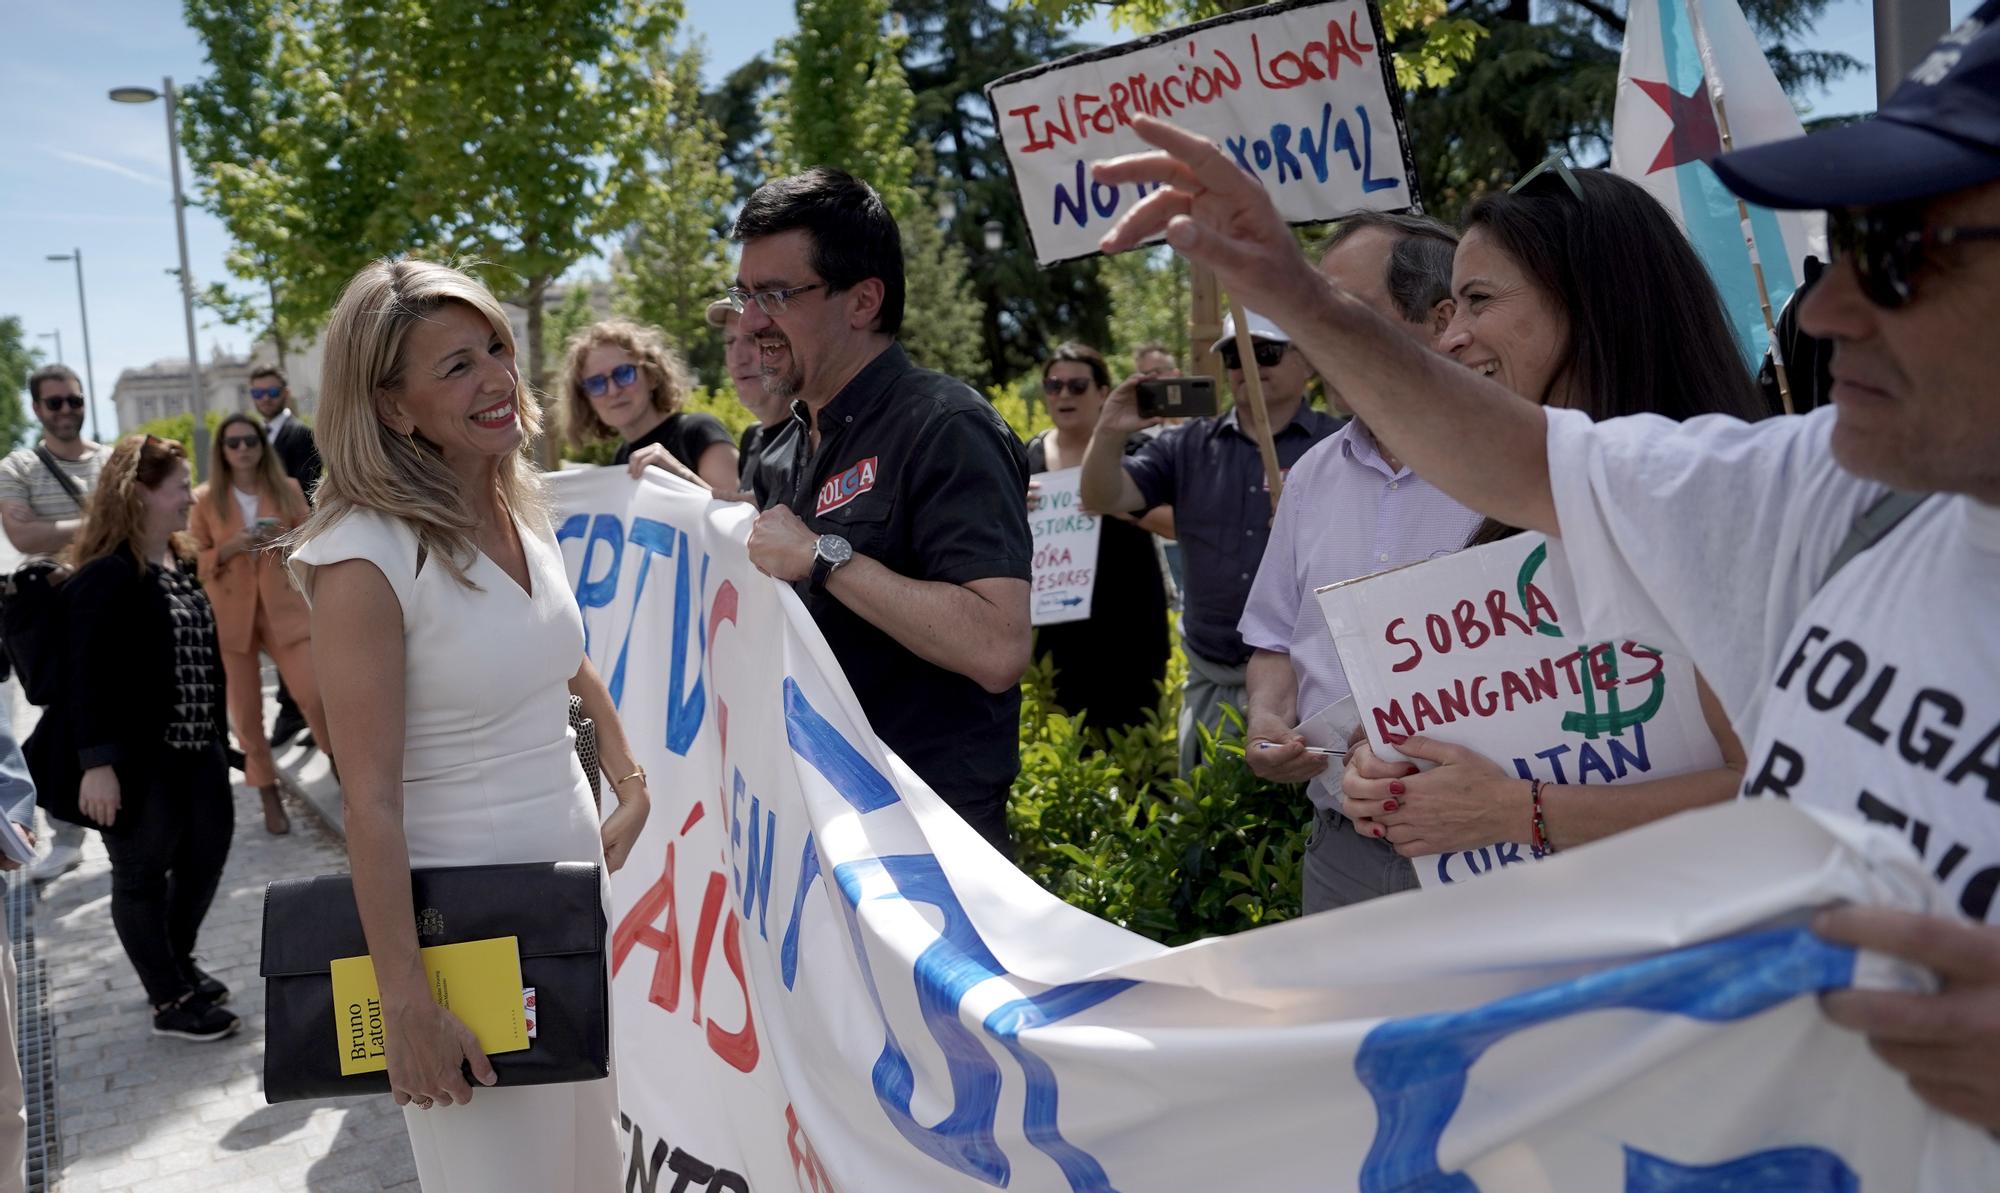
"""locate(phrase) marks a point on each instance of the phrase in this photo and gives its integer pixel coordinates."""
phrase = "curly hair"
(116, 515)
(665, 372)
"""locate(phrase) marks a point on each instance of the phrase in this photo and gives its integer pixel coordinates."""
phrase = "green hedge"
(1108, 826)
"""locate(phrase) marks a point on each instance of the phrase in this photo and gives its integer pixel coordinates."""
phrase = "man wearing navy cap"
(1835, 576)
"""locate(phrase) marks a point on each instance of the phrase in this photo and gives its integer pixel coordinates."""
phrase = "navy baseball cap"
(1939, 132)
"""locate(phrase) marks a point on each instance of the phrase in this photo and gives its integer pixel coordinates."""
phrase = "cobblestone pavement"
(143, 1112)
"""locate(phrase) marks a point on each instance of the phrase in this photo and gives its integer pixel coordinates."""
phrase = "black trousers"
(167, 846)
(987, 813)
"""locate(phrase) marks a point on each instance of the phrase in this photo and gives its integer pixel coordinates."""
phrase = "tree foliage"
(1149, 303)
(941, 326)
(17, 361)
(954, 48)
(330, 133)
(1546, 81)
(675, 258)
(846, 101)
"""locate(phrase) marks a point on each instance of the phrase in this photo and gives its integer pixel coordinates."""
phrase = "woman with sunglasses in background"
(625, 381)
(143, 708)
(248, 505)
(1110, 664)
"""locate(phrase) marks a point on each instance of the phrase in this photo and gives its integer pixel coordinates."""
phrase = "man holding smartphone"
(1211, 471)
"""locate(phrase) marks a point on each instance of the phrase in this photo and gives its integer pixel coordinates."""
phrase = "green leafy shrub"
(1104, 822)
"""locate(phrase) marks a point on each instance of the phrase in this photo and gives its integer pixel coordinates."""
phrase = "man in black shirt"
(893, 498)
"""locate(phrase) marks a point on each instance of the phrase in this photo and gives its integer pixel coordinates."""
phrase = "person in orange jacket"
(248, 504)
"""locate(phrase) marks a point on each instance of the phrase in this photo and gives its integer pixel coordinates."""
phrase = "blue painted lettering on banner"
(1101, 197)
(687, 704)
(822, 746)
(1590, 759)
(788, 952)
(946, 971)
(1799, 1169)
(607, 530)
(1416, 1068)
(756, 893)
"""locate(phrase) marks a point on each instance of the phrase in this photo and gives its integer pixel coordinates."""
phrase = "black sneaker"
(206, 987)
(194, 1018)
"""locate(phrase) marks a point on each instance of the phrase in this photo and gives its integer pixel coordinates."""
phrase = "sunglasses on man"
(1077, 386)
(599, 384)
(1268, 354)
(61, 401)
(260, 392)
(1889, 245)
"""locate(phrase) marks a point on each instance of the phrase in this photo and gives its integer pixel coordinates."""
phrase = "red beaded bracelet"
(1539, 827)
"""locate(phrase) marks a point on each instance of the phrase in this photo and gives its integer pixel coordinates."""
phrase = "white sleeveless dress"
(490, 775)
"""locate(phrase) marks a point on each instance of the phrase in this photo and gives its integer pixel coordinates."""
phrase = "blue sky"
(83, 172)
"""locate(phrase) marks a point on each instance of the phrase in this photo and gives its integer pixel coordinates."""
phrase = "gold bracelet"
(639, 774)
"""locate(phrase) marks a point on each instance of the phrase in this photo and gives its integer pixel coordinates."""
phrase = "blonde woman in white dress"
(447, 642)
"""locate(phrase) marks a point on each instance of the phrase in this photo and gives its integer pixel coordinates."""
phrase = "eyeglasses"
(1561, 169)
(1889, 245)
(771, 302)
(597, 386)
(1267, 352)
(60, 401)
(1077, 386)
(260, 392)
(241, 441)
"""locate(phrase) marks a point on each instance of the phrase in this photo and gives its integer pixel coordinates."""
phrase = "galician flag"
(1690, 69)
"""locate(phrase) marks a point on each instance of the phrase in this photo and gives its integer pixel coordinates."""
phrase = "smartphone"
(1177, 397)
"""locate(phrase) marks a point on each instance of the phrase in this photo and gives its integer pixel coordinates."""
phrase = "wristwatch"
(829, 554)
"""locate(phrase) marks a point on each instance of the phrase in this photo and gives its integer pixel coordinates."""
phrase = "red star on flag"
(1693, 137)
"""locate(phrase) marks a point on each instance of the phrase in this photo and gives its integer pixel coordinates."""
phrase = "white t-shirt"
(1877, 694)
(247, 502)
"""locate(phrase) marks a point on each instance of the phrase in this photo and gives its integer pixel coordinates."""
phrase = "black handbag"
(553, 908)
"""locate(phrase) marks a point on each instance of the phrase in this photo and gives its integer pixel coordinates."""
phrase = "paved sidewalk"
(143, 1112)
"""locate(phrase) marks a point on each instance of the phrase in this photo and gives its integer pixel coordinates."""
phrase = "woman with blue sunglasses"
(624, 381)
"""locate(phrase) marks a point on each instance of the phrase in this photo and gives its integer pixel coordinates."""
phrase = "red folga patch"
(839, 490)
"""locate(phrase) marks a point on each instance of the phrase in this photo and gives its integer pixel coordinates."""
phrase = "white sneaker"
(58, 861)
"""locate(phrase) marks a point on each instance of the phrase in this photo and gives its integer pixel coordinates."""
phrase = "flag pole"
(1714, 88)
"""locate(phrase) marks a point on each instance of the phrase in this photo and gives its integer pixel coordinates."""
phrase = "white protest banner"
(1302, 95)
(824, 980)
(1065, 562)
(1469, 649)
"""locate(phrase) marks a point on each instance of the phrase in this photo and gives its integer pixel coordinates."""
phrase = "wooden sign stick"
(1260, 416)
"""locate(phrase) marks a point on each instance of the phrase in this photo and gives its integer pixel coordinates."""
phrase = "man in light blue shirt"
(1349, 509)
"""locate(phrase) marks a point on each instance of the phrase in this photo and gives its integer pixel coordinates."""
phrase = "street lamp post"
(196, 404)
(83, 312)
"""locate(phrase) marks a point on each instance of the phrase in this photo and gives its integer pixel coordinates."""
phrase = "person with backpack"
(43, 490)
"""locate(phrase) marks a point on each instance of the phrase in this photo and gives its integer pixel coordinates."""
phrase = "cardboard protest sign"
(1469, 649)
(1065, 559)
(1300, 94)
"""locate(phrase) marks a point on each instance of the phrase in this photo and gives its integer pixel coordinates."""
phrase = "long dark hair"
(1647, 333)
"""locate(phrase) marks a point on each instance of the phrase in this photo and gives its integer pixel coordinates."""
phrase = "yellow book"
(479, 981)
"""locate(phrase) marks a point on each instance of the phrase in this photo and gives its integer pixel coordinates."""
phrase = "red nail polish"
(1395, 788)
(1389, 805)
(1378, 830)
